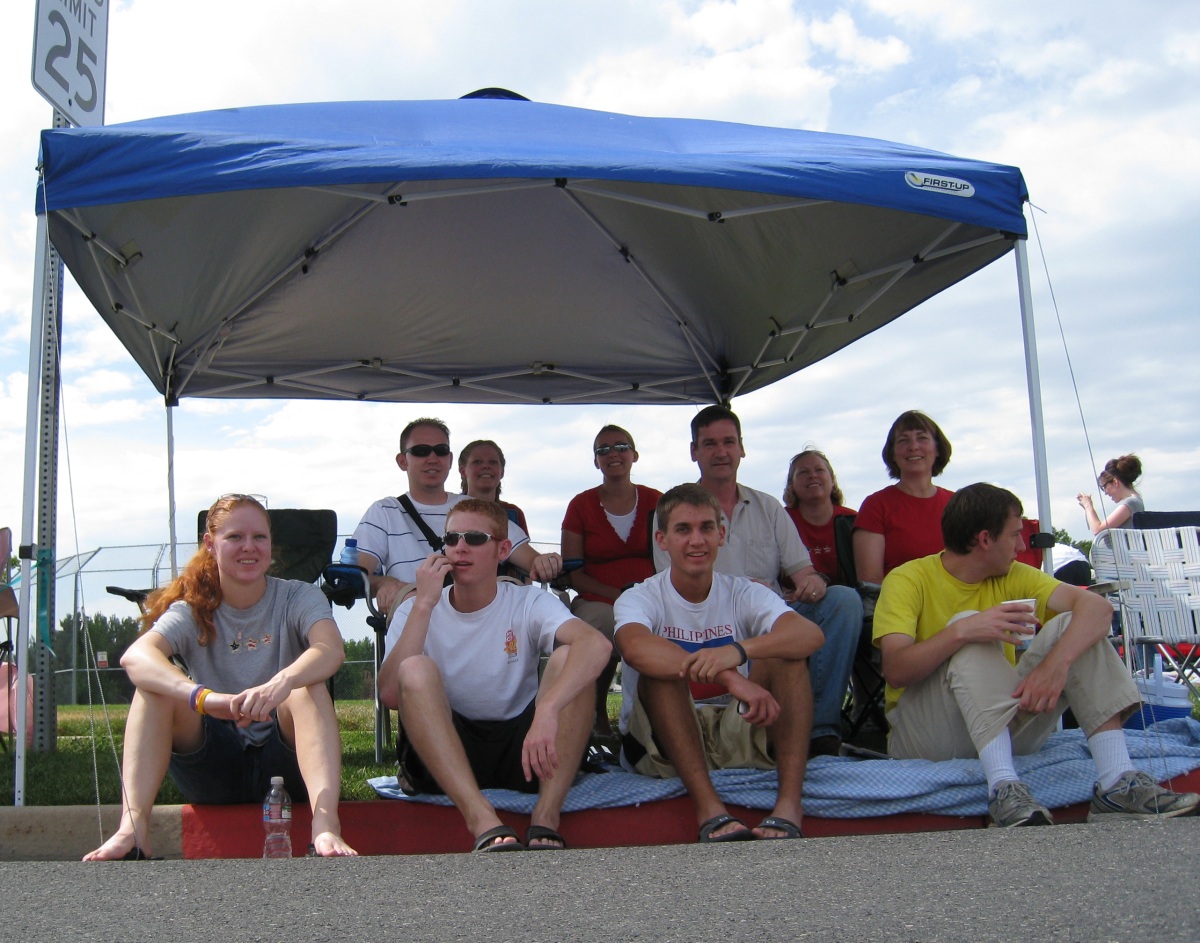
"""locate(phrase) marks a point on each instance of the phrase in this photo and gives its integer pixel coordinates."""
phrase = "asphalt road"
(1108, 882)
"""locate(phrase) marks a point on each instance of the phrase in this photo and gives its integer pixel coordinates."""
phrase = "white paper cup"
(1021, 642)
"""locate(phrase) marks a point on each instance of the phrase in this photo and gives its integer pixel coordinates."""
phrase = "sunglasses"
(237, 496)
(474, 538)
(619, 447)
(424, 451)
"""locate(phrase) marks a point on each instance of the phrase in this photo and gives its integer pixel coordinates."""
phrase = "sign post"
(70, 52)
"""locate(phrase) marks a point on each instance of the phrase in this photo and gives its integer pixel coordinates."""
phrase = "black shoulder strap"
(435, 542)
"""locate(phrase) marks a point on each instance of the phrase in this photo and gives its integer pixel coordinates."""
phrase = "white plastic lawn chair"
(1157, 577)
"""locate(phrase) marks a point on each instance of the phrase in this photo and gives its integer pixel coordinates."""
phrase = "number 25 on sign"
(70, 46)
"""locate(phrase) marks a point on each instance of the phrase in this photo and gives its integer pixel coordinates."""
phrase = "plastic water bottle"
(277, 821)
(350, 552)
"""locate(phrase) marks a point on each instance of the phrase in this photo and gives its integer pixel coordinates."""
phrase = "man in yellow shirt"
(946, 624)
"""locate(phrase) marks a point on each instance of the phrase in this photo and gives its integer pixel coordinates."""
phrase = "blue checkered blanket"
(1061, 774)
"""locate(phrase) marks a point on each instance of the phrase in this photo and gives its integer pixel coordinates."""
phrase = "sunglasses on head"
(603, 450)
(424, 451)
(474, 538)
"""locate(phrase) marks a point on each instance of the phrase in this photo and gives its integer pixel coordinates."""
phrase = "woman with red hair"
(253, 703)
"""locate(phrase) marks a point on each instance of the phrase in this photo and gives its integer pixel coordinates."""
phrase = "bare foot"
(332, 845)
(117, 848)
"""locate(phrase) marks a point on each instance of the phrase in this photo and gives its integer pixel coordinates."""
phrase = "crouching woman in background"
(259, 651)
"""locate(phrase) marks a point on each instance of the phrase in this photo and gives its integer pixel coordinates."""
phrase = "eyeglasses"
(474, 538)
(441, 450)
(603, 450)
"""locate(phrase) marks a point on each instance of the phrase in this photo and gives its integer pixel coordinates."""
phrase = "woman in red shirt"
(813, 499)
(904, 521)
(608, 528)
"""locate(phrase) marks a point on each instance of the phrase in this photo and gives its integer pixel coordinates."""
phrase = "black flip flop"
(718, 821)
(487, 843)
(789, 828)
(542, 833)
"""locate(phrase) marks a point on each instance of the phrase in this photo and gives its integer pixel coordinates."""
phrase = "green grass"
(69, 774)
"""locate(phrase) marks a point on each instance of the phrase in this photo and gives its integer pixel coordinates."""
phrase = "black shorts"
(493, 749)
(225, 770)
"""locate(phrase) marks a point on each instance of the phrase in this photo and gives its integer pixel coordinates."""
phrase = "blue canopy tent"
(483, 250)
(492, 249)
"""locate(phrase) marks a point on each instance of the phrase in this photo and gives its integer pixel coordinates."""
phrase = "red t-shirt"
(606, 557)
(819, 540)
(911, 527)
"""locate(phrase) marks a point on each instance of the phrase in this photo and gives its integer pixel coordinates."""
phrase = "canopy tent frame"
(702, 250)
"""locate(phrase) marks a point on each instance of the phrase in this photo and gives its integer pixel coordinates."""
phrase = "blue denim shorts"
(225, 770)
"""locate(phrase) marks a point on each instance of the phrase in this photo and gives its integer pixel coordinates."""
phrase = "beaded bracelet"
(200, 700)
(194, 696)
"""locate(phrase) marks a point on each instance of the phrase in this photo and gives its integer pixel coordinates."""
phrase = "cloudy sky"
(1097, 103)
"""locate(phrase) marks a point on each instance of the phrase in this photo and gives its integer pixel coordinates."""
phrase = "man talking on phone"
(462, 669)
(397, 532)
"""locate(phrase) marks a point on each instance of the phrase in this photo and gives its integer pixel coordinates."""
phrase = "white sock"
(997, 760)
(1111, 755)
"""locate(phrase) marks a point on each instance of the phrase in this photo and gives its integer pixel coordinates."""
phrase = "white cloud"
(841, 35)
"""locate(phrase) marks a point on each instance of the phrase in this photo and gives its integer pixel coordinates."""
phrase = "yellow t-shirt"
(919, 597)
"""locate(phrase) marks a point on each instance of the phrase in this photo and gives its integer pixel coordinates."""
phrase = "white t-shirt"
(736, 609)
(396, 540)
(760, 541)
(489, 658)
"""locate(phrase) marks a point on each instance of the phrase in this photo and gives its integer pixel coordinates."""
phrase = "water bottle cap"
(276, 780)
(351, 541)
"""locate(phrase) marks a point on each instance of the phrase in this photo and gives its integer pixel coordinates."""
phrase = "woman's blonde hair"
(199, 585)
(789, 495)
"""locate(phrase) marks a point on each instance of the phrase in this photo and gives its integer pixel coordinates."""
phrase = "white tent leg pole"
(37, 332)
(171, 491)
(1040, 464)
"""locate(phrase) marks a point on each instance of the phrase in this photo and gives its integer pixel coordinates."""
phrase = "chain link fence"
(354, 681)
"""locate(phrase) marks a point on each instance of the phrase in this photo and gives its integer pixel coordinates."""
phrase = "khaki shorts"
(729, 742)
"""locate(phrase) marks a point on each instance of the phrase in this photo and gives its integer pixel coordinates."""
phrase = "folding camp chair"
(1157, 577)
(1154, 520)
(302, 542)
(343, 585)
(867, 687)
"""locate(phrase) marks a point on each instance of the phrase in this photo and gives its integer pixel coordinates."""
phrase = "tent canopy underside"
(503, 251)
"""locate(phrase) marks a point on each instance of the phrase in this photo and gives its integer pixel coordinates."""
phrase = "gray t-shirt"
(251, 645)
(1135, 503)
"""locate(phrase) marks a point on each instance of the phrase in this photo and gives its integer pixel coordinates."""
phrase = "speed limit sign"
(70, 46)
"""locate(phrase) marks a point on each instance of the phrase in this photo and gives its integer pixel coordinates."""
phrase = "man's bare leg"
(574, 726)
(790, 685)
(669, 707)
(155, 723)
(307, 721)
(425, 714)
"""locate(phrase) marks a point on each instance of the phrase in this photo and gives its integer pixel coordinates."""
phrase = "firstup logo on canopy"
(951, 185)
